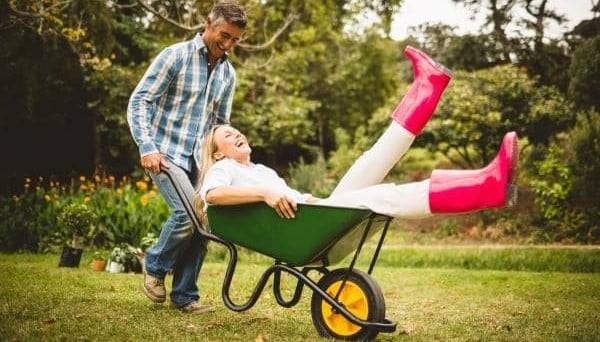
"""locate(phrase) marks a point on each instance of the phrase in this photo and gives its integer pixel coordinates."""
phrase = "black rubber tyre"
(361, 296)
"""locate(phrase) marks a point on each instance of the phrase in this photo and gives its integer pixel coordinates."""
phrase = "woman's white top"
(228, 172)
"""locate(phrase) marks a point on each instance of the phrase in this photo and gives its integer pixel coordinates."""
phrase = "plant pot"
(70, 257)
(98, 265)
(115, 267)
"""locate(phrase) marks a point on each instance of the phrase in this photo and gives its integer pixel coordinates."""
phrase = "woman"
(230, 177)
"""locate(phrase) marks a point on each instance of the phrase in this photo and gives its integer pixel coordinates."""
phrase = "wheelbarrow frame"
(300, 274)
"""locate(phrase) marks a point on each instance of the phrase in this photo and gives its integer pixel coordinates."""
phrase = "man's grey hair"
(229, 11)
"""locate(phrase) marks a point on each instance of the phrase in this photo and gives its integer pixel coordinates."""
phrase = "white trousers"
(360, 186)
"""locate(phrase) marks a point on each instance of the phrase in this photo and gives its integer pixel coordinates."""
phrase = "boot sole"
(511, 188)
(152, 297)
(438, 66)
(514, 160)
(149, 294)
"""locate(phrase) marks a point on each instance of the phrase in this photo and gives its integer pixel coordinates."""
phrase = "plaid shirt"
(176, 102)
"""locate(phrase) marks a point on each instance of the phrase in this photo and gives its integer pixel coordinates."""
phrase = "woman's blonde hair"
(209, 147)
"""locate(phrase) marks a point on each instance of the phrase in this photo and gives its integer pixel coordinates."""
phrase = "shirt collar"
(199, 44)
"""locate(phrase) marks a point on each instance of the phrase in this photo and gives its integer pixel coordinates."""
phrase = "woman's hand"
(283, 205)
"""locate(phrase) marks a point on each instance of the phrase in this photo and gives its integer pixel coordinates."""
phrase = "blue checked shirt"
(176, 102)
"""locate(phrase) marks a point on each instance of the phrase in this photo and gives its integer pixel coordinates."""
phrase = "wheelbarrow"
(346, 303)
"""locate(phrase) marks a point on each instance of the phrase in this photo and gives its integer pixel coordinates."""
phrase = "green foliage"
(565, 186)
(538, 259)
(77, 218)
(585, 166)
(585, 75)
(128, 256)
(468, 52)
(315, 80)
(109, 89)
(311, 178)
(326, 84)
(553, 185)
(347, 150)
(100, 255)
(124, 211)
(148, 241)
(75, 221)
(478, 108)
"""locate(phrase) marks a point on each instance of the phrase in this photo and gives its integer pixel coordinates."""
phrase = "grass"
(41, 302)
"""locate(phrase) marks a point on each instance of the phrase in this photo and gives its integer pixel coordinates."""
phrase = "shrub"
(75, 222)
(311, 178)
(123, 212)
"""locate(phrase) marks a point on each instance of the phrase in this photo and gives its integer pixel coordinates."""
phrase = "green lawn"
(39, 301)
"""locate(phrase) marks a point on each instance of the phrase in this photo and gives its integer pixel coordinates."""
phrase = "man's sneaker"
(194, 308)
(154, 288)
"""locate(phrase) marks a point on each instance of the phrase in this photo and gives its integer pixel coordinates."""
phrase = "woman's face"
(231, 144)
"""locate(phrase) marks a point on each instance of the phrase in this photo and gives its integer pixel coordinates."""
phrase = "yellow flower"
(82, 178)
(144, 200)
(86, 199)
(141, 185)
(47, 198)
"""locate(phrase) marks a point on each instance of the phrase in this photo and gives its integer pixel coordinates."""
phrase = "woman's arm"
(228, 195)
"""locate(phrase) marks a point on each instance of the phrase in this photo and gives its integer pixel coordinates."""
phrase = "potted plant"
(116, 260)
(99, 261)
(75, 221)
(125, 258)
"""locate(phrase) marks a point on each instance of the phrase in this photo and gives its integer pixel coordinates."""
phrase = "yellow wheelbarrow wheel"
(360, 295)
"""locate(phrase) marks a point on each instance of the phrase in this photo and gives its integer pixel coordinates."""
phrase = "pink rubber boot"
(419, 103)
(460, 191)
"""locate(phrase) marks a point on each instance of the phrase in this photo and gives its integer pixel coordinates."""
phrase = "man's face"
(221, 37)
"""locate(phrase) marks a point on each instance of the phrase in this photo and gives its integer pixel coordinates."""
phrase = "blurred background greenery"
(311, 96)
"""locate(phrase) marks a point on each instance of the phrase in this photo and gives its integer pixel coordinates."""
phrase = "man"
(188, 88)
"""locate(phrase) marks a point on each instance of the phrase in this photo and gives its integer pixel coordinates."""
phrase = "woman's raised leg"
(409, 118)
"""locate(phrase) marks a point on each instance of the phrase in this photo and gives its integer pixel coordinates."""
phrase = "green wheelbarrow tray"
(318, 235)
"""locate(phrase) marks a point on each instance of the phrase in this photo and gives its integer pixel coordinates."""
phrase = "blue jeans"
(180, 247)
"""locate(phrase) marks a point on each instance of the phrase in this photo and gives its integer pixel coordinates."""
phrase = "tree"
(316, 79)
(43, 127)
(467, 52)
(585, 74)
(498, 18)
(478, 108)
